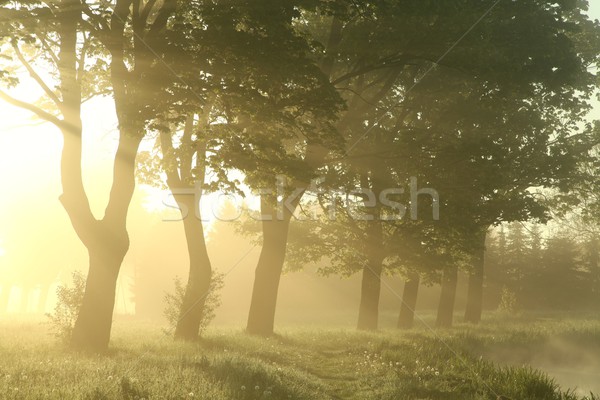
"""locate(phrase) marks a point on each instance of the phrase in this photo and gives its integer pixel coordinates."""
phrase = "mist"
(299, 200)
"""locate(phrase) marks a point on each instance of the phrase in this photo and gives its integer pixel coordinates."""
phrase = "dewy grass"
(297, 364)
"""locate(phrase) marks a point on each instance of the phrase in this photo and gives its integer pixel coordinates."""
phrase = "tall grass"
(297, 364)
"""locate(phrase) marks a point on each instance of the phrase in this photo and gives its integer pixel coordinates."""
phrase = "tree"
(262, 93)
(124, 33)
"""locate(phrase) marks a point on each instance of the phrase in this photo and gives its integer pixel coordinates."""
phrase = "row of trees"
(481, 102)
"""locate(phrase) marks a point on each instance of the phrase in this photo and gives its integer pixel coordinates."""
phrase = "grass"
(296, 364)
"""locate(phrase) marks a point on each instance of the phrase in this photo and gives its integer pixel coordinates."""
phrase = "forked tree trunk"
(409, 302)
(445, 312)
(107, 242)
(261, 318)
(475, 291)
(181, 179)
(192, 308)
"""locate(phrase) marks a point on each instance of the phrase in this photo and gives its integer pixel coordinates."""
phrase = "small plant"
(174, 303)
(131, 391)
(67, 307)
(508, 301)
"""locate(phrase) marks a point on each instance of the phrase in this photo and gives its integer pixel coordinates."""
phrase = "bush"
(508, 301)
(67, 307)
(174, 303)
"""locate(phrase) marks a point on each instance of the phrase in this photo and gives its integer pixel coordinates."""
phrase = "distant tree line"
(527, 270)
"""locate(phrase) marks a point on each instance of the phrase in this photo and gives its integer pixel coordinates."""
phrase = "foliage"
(131, 391)
(508, 301)
(174, 302)
(69, 300)
(533, 271)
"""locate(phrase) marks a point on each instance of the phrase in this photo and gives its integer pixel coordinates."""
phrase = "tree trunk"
(368, 313)
(409, 302)
(94, 321)
(475, 290)
(185, 178)
(261, 318)
(192, 308)
(447, 297)
(107, 242)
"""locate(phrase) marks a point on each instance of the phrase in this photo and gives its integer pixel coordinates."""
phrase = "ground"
(484, 362)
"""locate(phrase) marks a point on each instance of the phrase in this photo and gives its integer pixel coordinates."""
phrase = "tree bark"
(186, 187)
(475, 291)
(409, 301)
(192, 308)
(261, 318)
(94, 322)
(445, 312)
(368, 313)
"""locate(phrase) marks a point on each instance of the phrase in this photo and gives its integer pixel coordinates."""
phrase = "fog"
(304, 200)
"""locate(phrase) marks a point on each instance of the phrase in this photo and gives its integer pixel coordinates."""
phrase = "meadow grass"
(298, 363)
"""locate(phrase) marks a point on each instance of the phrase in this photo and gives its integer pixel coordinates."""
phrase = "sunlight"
(363, 200)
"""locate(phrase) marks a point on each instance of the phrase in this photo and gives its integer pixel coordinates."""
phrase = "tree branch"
(42, 38)
(335, 38)
(102, 27)
(35, 75)
(147, 9)
(81, 69)
(381, 64)
(166, 144)
(187, 149)
(36, 110)
(165, 12)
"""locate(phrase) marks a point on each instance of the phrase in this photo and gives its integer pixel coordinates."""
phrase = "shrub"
(508, 301)
(174, 303)
(67, 307)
